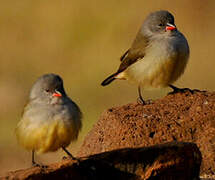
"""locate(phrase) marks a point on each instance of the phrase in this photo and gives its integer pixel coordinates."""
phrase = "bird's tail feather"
(109, 79)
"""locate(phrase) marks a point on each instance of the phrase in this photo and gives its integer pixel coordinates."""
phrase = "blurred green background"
(82, 41)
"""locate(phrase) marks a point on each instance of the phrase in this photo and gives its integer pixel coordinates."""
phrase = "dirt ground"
(188, 117)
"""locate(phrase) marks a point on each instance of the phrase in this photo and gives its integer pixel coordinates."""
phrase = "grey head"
(158, 22)
(47, 87)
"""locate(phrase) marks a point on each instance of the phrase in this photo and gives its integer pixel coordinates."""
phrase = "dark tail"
(109, 79)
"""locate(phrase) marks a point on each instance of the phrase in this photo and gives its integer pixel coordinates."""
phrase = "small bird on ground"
(157, 57)
(50, 120)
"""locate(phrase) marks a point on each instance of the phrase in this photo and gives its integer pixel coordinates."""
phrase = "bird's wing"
(124, 55)
(136, 52)
(24, 108)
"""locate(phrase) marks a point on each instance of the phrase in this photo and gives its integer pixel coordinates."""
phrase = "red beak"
(170, 27)
(57, 94)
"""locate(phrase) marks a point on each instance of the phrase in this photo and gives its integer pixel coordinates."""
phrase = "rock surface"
(187, 116)
(178, 161)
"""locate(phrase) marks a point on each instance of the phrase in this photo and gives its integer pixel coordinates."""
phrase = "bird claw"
(72, 158)
(34, 164)
(141, 101)
(182, 90)
(65, 158)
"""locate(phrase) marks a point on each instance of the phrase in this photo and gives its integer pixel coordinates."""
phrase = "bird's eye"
(47, 90)
(160, 25)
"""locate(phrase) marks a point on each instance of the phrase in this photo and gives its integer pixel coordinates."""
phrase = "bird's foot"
(34, 164)
(141, 101)
(65, 158)
(78, 160)
(70, 156)
(182, 90)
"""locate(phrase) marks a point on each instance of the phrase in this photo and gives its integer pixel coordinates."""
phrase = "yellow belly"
(154, 73)
(164, 62)
(45, 138)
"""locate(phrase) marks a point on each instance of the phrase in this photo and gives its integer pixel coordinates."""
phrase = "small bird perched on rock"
(50, 120)
(157, 57)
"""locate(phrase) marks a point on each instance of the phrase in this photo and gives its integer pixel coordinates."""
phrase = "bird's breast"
(162, 64)
(46, 128)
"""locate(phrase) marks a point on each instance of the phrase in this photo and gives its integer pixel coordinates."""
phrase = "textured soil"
(172, 161)
(187, 116)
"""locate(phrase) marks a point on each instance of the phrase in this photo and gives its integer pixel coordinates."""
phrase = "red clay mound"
(178, 161)
(188, 117)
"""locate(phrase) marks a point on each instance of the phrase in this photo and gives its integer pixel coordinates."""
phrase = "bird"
(157, 57)
(50, 120)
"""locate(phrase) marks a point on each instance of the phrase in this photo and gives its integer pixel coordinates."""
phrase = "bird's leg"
(140, 98)
(182, 90)
(69, 154)
(32, 160)
(36, 164)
